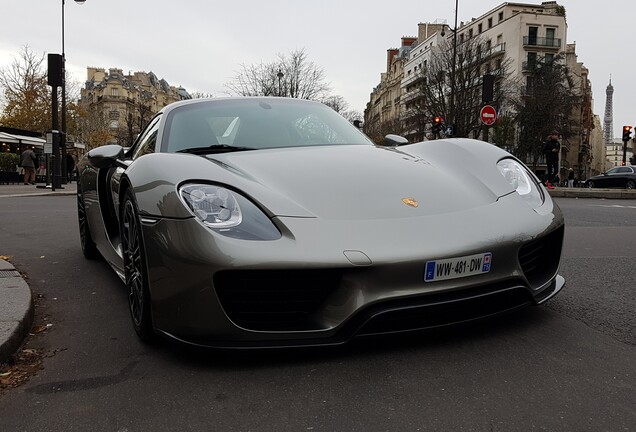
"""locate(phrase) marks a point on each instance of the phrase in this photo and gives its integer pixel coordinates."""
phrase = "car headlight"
(227, 212)
(522, 181)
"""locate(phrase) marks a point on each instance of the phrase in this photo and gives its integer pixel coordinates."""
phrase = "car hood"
(359, 182)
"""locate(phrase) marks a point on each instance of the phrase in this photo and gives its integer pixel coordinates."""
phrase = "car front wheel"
(135, 269)
(590, 184)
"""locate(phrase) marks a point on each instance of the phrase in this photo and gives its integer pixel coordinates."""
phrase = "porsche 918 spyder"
(274, 222)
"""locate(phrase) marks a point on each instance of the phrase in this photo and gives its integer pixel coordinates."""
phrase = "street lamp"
(454, 66)
(63, 135)
(279, 75)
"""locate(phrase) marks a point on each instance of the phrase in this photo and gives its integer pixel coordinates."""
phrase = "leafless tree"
(341, 106)
(457, 76)
(201, 95)
(292, 75)
(544, 104)
(377, 131)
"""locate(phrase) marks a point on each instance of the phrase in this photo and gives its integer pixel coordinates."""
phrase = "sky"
(200, 44)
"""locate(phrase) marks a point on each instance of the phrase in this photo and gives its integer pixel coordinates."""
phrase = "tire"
(631, 184)
(89, 249)
(136, 273)
(590, 184)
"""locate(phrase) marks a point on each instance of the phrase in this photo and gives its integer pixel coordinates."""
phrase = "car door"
(608, 179)
(146, 143)
(619, 179)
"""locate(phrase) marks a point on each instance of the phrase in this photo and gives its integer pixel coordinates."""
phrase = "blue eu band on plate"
(453, 268)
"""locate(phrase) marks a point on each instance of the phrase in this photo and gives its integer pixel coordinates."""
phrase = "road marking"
(612, 206)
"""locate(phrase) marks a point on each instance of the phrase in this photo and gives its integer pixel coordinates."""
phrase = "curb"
(16, 310)
(592, 193)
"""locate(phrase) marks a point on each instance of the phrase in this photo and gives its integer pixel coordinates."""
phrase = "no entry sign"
(488, 115)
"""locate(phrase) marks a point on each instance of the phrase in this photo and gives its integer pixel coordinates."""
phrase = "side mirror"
(106, 156)
(358, 124)
(395, 140)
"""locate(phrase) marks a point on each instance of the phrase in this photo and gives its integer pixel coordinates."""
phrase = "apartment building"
(517, 33)
(122, 99)
(614, 153)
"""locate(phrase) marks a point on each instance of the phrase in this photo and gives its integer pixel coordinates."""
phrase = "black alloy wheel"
(135, 269)
(590, 184)
(89, 249)
(631, 184)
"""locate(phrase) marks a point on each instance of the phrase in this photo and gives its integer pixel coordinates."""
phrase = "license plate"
(453, 268)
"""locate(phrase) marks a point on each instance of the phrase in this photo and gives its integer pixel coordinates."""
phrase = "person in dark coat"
(29, 162)
(551, 150)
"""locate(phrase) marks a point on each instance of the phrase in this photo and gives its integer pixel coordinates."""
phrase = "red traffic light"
(627, 133)
(438, 120)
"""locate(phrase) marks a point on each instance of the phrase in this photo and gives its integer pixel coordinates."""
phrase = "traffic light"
(627, 133)
(438, 122)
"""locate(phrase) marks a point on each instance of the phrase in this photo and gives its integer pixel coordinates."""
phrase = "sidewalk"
(16, 303)
(16, 308)
(19, 189)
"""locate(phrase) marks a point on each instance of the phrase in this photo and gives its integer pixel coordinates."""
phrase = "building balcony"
(541, 42)
(497, 49)
(112, 98)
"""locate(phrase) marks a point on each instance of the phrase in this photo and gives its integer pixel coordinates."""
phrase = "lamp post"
(453, 68)
(63, 134)
(279, 75)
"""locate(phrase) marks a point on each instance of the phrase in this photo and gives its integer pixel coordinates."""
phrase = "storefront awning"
(21, 139)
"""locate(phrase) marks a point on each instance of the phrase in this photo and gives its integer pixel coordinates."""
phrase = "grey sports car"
(274, 222)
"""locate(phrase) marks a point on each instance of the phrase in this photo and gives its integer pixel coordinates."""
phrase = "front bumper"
(325, 282)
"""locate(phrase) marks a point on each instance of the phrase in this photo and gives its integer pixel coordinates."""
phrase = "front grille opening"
(430, 314)
(539, 259)
(270, 300)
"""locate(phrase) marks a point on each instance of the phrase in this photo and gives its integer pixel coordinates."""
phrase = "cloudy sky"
(200, 44)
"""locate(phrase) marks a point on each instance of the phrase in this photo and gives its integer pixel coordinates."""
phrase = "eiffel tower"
(608, 120)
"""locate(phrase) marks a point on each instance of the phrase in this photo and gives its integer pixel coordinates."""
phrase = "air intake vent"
(270, 300)
(539, 259)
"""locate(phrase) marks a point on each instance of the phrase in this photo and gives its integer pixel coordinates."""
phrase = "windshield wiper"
(215, 148)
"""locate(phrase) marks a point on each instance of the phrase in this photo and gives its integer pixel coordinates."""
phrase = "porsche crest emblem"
(410, 202)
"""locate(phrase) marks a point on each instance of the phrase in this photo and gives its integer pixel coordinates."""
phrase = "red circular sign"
(488, 115)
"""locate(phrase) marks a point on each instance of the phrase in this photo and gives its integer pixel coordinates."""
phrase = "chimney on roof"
(390, 55)
(407, 41)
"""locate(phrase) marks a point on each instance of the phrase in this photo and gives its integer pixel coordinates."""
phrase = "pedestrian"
(551, 150)
(70, 166)
(571, 178)
(29, 162)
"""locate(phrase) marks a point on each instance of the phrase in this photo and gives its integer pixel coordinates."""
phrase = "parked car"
(617, 177)
(252, 222)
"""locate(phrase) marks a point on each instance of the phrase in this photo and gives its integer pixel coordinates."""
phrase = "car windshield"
(255, 123)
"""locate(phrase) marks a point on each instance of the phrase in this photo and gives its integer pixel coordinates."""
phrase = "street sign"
(488, 115)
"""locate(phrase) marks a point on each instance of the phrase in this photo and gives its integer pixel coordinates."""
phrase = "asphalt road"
(568, 366)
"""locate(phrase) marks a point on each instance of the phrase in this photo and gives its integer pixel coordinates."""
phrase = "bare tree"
(341, 106)
(201, 95)
(544, 104)
(377, 131)
(292, 75)
(457, 75)
(26, 100)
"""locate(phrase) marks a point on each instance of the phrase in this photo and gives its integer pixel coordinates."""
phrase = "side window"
(147, 140)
